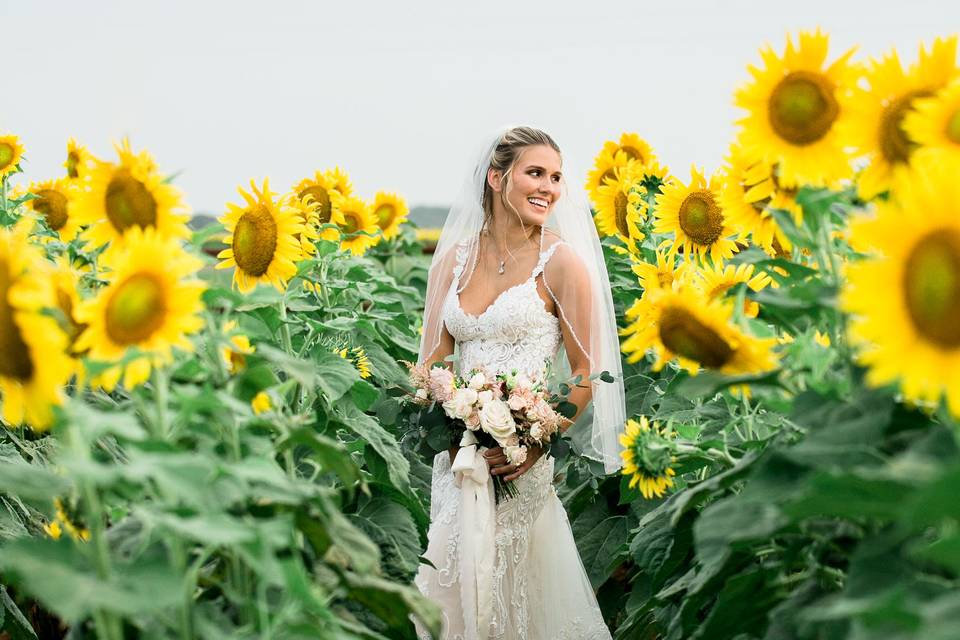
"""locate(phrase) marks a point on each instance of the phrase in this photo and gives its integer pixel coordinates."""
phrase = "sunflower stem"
(285, 328)
(161, 384)
(107, 625)
(3, 193)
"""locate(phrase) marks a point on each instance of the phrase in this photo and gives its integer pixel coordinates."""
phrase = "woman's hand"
(499, 465)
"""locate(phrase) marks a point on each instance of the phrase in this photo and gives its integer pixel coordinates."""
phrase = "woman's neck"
(509, 234)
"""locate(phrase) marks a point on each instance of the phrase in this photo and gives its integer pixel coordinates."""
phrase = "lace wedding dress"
(540, 590)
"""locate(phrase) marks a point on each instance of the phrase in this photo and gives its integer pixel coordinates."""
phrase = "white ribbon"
(478, 518)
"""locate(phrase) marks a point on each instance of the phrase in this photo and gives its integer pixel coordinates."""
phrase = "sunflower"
(750, 190)
(794, 108)
(264, 238)
(390, 212)
(34, 364)
(610, 158)
(129, 194)
(261, 403)
(78, 161)
(11, 151)
(934, 124)
(716, 280)
(66, 287)
(877, 128)
(683, 323)
(322, 189)
(693, 214)
(357, 219)
(357, 357)
(62, 522)
(618, 215)
(151, 302)
(660, 275)
(912, 331)
(340, 181)
(55, 201)
(235, 355)
(309, 218)
(647, 457)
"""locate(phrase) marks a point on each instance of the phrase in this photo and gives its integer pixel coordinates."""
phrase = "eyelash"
(536, 171)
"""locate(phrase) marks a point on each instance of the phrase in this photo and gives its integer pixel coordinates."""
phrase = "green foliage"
(206, 520)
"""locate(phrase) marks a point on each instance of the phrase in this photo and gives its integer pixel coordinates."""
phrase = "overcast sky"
(399, 93)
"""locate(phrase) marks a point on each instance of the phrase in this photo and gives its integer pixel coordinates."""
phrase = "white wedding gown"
(540, 590)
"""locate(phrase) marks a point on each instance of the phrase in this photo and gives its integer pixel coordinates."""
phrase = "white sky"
(399, 93)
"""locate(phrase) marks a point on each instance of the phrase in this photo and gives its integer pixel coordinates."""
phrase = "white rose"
(422, 394)
(524, 381)
(496, 419)
(484, 397)
(460, 406)
(478, 380)
(516, 455)
(536, 431)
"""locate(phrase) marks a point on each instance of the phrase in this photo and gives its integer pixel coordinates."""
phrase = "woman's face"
(535, 187)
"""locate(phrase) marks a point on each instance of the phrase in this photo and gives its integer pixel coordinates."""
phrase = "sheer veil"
(585, 305)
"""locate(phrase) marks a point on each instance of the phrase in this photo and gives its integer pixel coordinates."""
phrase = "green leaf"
(391, 526)
(364, 394)
(600, 548)
(31, 482)
(12, 620)
(331, 454)
(708, 383)
(58, 574)
(393, 603)
(95, 424)
(378, 438)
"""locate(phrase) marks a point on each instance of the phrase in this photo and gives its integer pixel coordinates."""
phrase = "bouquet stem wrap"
(477, 529)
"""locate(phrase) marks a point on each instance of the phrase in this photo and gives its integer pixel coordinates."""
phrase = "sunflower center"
(609, 174)
(322, 200)
(351, 222)
(802, 107)
(6, 154)
(633, 153)
(136, 309)
(931, 283)
(895, 144)
(73, 160)
(620, 205)
(129, 202)
(385, 215)
(14, 354)
(700, 217)
(686, 336)
(255, 241)
(953, 127)
(53, 205)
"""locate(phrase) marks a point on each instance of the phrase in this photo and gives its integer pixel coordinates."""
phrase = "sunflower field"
(206, 433)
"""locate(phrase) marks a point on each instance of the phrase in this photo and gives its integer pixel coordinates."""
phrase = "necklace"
(502, 269)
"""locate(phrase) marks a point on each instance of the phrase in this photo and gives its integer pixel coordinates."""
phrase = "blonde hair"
(503, 159)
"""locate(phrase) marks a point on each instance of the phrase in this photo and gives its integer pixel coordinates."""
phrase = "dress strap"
(545, 257)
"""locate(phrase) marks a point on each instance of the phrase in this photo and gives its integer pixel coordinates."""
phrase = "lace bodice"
(515, 332)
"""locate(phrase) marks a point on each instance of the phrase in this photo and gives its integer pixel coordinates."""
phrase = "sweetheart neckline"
(542, 307)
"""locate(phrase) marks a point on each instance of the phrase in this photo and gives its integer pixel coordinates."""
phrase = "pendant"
(500, 270)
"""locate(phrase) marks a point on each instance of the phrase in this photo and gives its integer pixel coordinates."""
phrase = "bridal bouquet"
(509, 410)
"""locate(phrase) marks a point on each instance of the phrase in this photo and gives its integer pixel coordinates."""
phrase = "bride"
(518, 282)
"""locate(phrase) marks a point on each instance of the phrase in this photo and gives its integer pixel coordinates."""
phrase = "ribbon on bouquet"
(478, 519)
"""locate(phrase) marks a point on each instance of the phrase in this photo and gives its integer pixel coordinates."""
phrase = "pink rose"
(440, 384)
